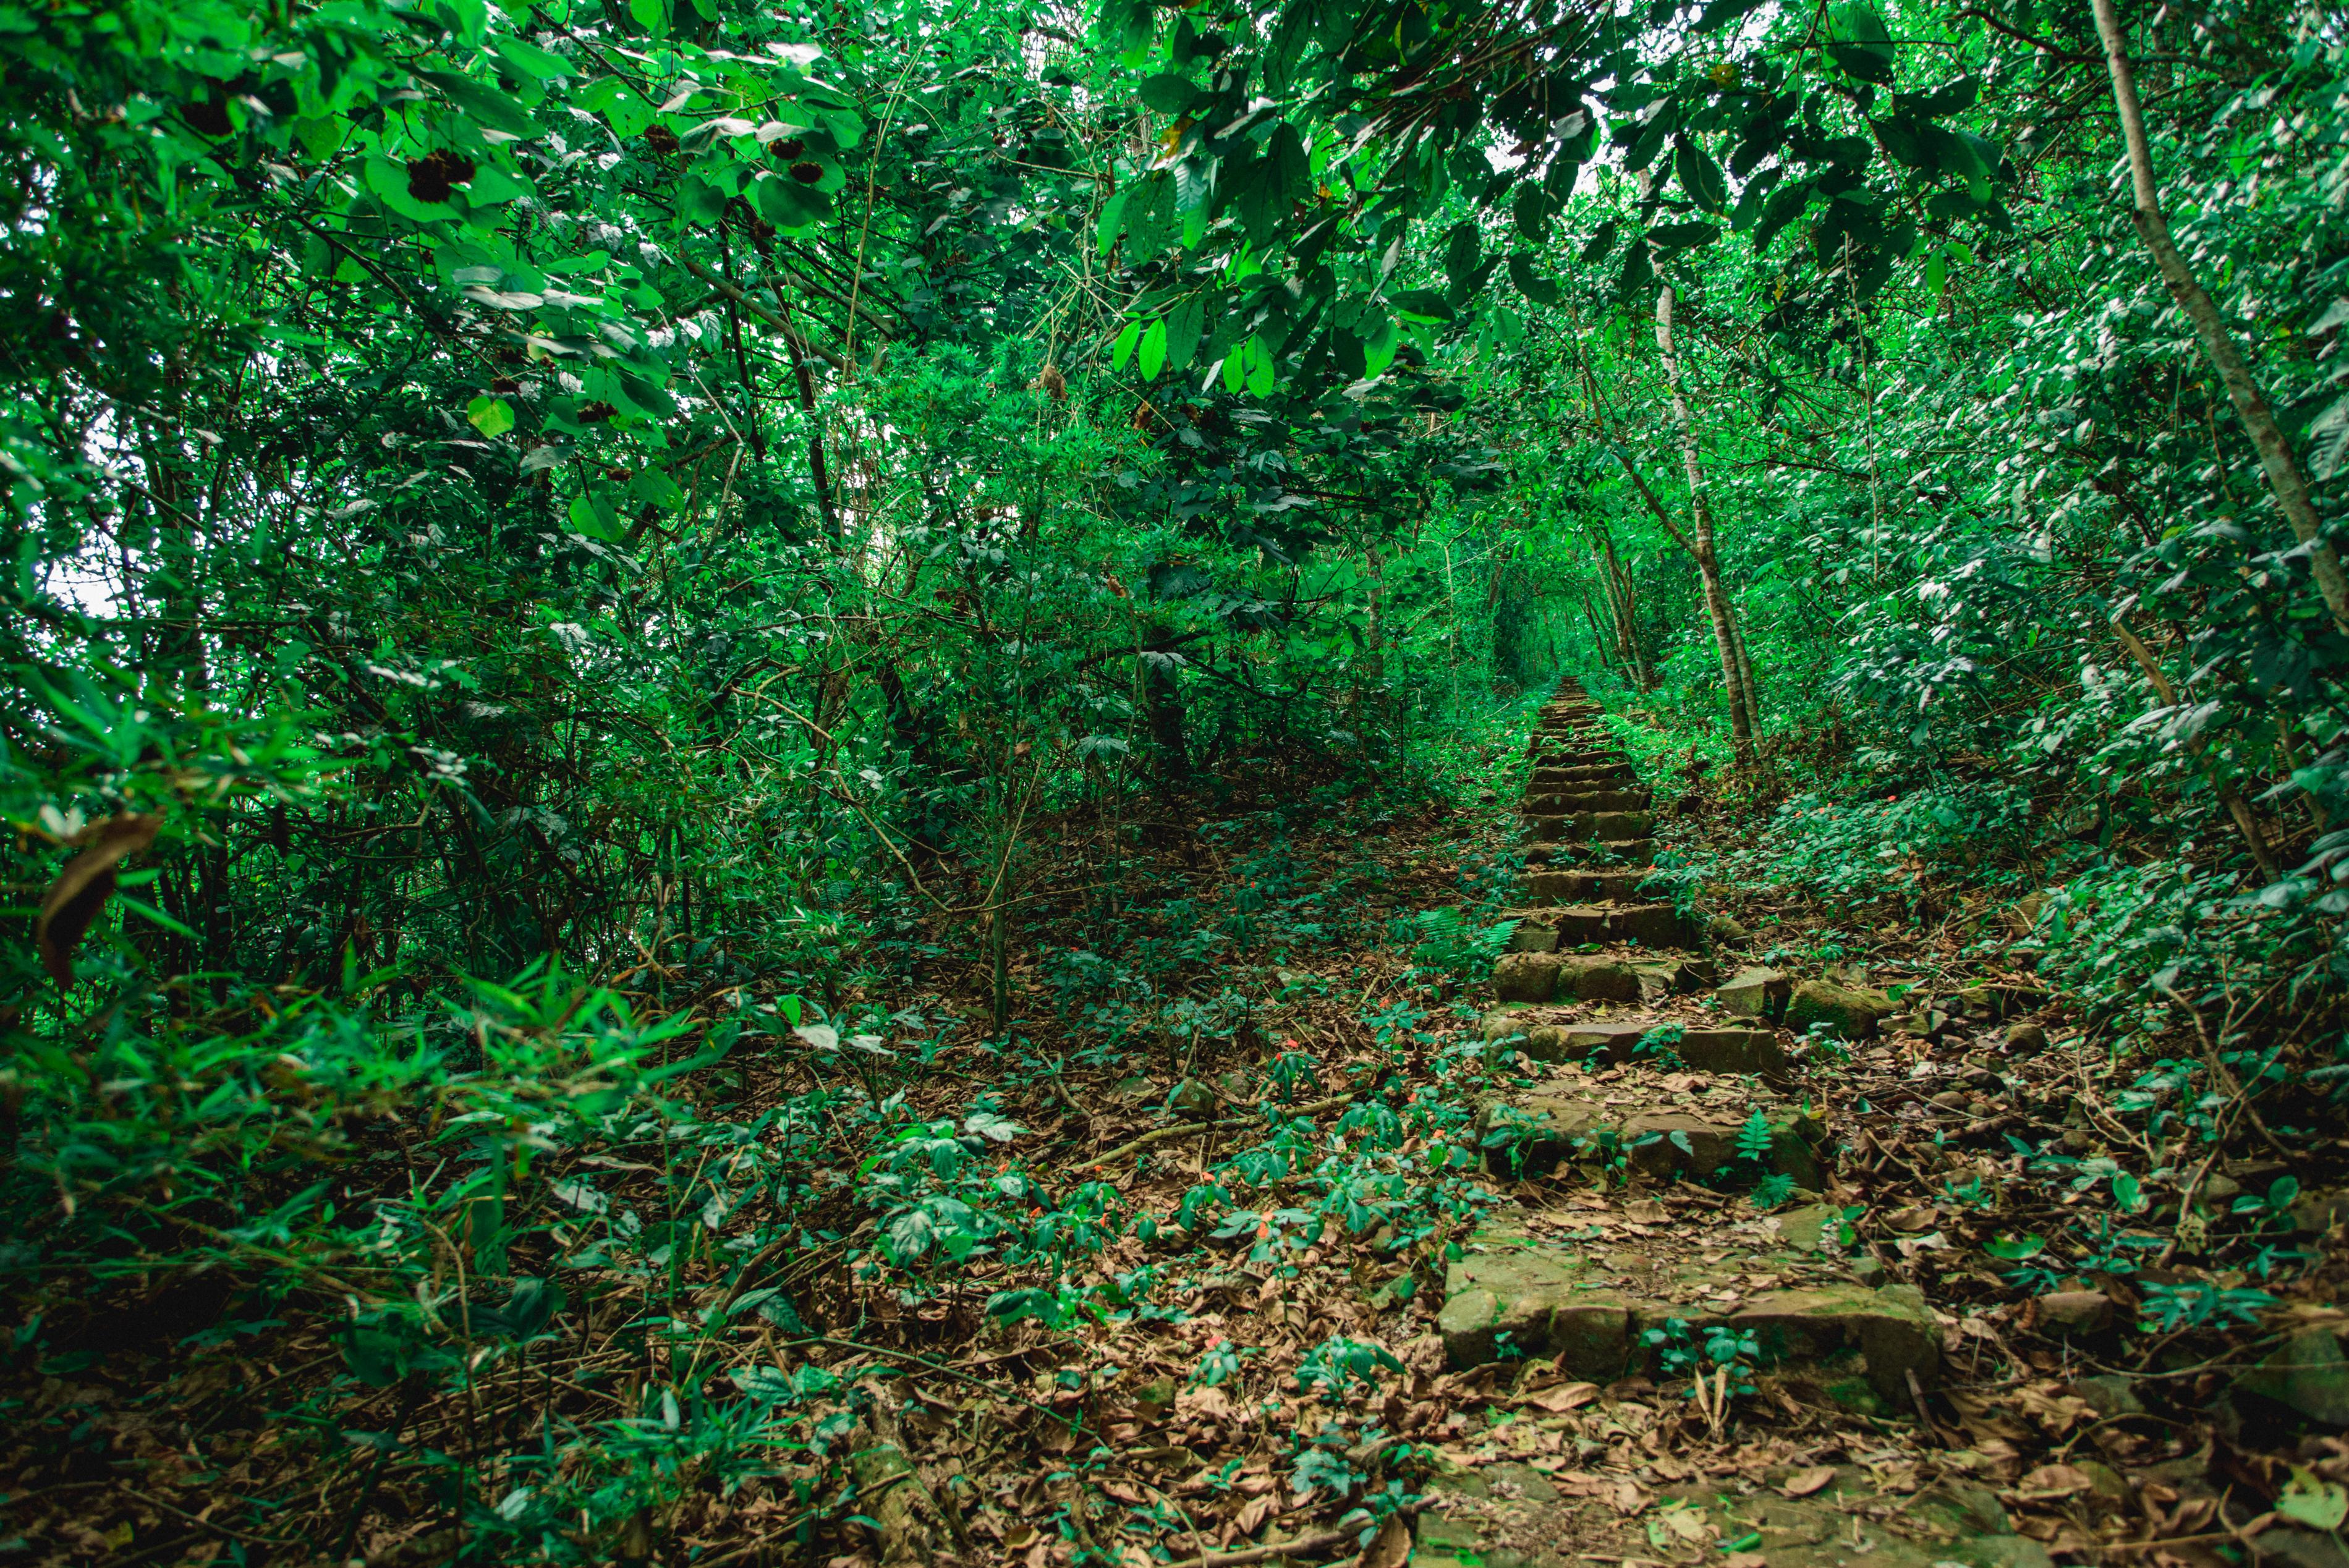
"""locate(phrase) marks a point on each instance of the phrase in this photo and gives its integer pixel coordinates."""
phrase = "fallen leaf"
(1804, 1482)
(2054, 1481)
(1646, 1212)
(1565, 1397)
(1391, 1547)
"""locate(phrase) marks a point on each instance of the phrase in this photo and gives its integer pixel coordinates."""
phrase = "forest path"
(1672, 1237)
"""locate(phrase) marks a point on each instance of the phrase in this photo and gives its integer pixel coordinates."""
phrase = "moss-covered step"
(1552, 1037)
(1706, 1132)
(1594, 852)
(1550, 928)
(1546, 887)
(1572, 800)
(1590, 1302)
(1579, 825)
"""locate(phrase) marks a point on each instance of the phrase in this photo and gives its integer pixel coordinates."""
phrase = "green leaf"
(1113, 219)
(1601, 243)
(1121, 348)
(1684, 236)
(492, 186)
(1184, 325)
(528, 59)
(1532, 213)
(594, 520)
(492, 416)
(1720, 14)
(482, 104)
(1539, 289)
(1700, 176)
(2319, 1504)
(1424, 304)
(790, 205)
(1152, 357)
(655, 488)
(1170, 92)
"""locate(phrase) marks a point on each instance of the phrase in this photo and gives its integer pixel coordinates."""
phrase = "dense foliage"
(573, 568)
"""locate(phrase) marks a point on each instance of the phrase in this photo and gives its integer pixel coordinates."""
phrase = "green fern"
(1755, 1138)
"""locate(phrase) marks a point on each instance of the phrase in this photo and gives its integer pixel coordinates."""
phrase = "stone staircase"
(1638, 1156)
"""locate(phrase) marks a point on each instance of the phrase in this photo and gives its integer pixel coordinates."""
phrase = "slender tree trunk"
(1708, 562)
(2247, 821)
(1745, 673)
(2259, 420)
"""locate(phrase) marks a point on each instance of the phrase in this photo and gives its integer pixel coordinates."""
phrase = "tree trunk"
(2258, 419)
(1708, 562)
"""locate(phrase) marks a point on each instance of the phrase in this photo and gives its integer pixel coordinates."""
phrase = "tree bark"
(2259, 420)
(1708, 562)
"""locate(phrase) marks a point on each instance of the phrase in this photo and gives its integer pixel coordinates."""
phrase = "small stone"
(1868, 1269)
(1756, 992)
(1191, 1098)
(2024, 1041)
(2065, 1313)
(2076, 1141)
(1722, 928)
(1950, 1100)
(2110, 1393)
(1851, 1011)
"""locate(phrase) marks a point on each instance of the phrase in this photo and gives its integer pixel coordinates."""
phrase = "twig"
(1185, 1129)
(1320, 1542)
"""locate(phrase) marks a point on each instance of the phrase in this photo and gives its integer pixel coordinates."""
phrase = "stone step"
(1592, 852)
(1606, 776)
(1556, 1035)
(1572, 798)
(1582, 887)
(1588, 1286)
(1548, 929)
(1542, 828)
(1594, 976)
(1665, 1128)
(1573, 754)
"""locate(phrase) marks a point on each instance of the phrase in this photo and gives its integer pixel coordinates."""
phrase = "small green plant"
(1338, 1366)
(2169, 1307)
(1756, 1138)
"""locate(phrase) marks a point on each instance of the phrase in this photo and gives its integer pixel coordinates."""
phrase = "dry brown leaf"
(1565, 1397)
(1804, 1482)
(1391, 1547)
(82, 889)
(2054, 1481)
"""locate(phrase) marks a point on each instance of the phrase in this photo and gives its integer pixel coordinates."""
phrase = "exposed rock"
(1992, 1002)
(1757, 994)
(2024, 1041)
(2315, 1213)
(2306, 1375)
(1853, 1012)
(1554, 976)
(1553, 1301)
(2110, 1393)
(1706, 1050)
